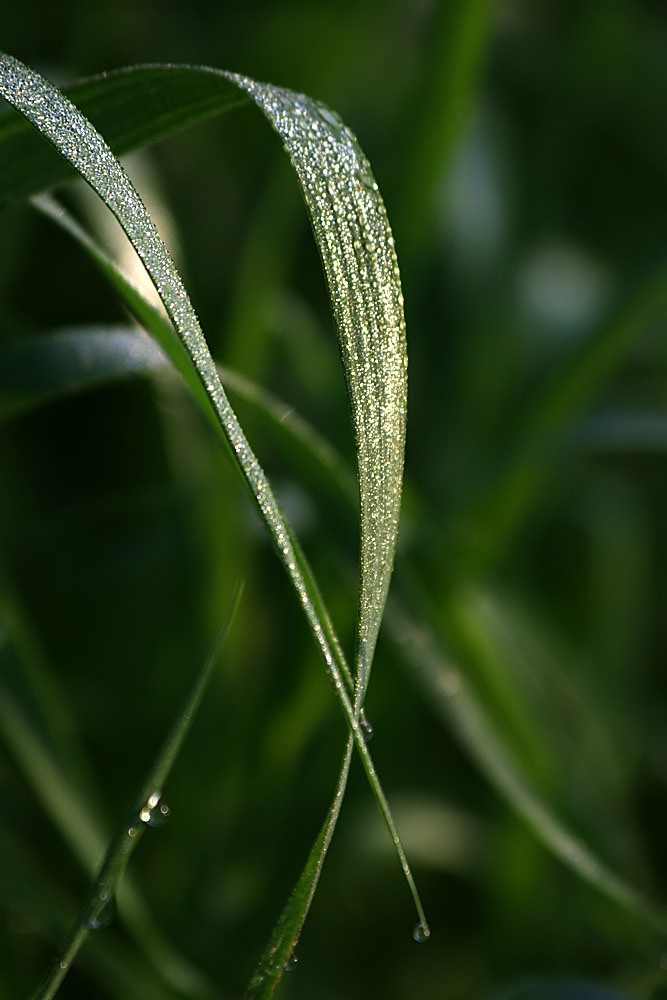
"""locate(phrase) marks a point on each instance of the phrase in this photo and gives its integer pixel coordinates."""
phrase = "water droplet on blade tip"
(292, 962)
(421, 933)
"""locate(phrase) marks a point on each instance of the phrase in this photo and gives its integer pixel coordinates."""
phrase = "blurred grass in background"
(521, 152)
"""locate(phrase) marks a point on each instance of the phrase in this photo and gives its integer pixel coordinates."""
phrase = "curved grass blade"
(39, 369)
(129, 107)
(338, 159)
(148, 809)
(554, 834)
(359, 259)
(48, 764)
(448, 692)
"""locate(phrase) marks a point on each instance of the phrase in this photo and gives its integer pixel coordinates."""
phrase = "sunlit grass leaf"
(353, 236)
(357, 249)
(129, 107)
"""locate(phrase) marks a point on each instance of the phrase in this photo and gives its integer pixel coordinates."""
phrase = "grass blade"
(307, 129)
(357, 250)
(284, 937)
(448, 692)
(39, 369)
(148, 810)
(39, 733)
(129, 107)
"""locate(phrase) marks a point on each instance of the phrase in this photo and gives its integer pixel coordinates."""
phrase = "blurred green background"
(521, 151)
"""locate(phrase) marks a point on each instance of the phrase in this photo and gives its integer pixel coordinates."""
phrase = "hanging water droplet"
(155, 812)
(292, 962)
(366, 729)
(102, 911)
(421, 932)
(63, 964)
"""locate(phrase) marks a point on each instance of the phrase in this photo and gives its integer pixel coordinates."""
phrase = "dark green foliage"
(532, 245)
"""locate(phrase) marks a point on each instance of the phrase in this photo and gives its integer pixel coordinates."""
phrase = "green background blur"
(521, 150)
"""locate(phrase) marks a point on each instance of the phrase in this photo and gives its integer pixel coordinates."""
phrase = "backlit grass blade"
(155, 321)
(129, 107)
(357, 250)
(357, 236)
(148, 809)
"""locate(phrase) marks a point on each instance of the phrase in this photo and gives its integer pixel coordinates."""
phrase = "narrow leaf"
(129, 107)
(282, 943)
(357, 250)
(352, 205)
(148, 809)
(455, 703)
(38, 369)
(46, 765)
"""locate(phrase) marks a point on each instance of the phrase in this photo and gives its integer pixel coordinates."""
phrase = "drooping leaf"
(129, 107)
(359, 259)
(357, 248)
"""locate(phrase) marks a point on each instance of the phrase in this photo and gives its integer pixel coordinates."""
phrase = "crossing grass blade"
(129, 107)
(357, 250)
(444, 685)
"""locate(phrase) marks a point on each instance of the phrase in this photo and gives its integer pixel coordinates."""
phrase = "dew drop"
(101, 912)
(329, 117)
(155, 812)
(366, 729)
(421, 933)
(292, 962)
(63, 964)
(366, 179)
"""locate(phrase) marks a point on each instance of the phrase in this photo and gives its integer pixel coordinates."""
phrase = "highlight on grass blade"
(360, 264)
